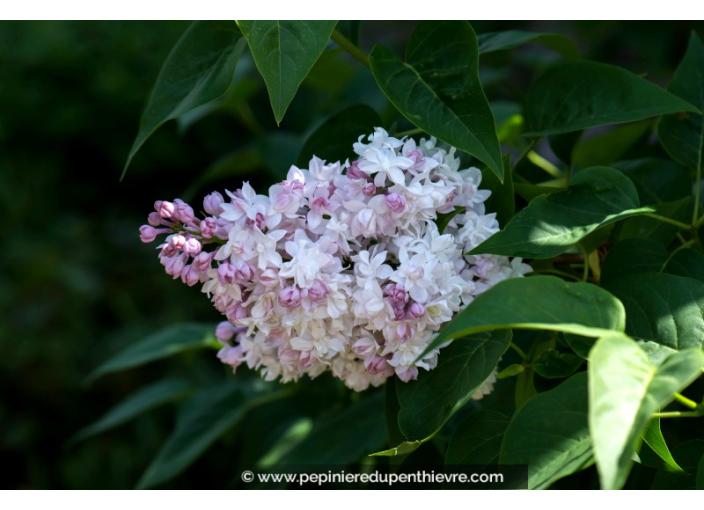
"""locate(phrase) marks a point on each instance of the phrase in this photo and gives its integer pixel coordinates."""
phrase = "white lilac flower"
(341, 267)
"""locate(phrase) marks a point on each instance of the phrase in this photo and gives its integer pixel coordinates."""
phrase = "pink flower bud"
(154, 219)
(318, 291)
(192, 246)
(364, 347)
(147, 233)
(178, 242)
(190, 275)
(416, 311)
(202, 261)
(212, 203)
(287, 356)
(306, 358)
(226, 273)
(409, 374)
(417, 157)
(400, 294)
(320, 205)
(235, 312)
(208, 227)
(225, 331)
(174, 265)
(379, 366)
(369, 189)
(269, 278)
(184, 212)
(353, 172)
(290, 297)
(395, 202)
(166, 209)
(399, 311)
(232, 356)
(243, 273)
(389, 289)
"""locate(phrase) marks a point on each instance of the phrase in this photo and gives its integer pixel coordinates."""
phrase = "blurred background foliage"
(76, 285)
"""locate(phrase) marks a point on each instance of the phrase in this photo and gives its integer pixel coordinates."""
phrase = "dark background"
(76, 285)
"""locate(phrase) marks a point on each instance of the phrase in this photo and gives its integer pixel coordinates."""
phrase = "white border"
(307, 9)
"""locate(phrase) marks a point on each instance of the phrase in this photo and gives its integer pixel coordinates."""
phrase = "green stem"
(697, 192)
(686, 244)
(677, 414)
(350, 48)
(519, 351)
(585, 270)
(699, 222)
(668, 220)
(685, 401)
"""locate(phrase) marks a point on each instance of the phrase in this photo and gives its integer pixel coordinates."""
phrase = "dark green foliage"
(594, 171)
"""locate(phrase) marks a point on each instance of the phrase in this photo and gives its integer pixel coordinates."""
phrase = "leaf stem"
(585, 269)
(519, 351)
(350, 48)
(685, 401)
(699, 222)
(668, 220)
(678, 414)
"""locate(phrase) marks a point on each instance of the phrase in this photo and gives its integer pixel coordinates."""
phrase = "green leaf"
(553, 364)
(688, 455)
(501, 201)
(198, 70)
(530, 192)
(688, 263)
(204, 418)
(438, 88)
(652, 435)
(682, 136)
(550, 434)
(700, 474)
(167, 342)
(632, 256)
(662, 308)
(625, 389)
(538, 302)
(443, 220)
(391, 410)
(477, 439)
(284, 52)
(582, 94)
(332, 140)
(657, 180)
(509, 39)
(463, 367)
(658, 230)
(552, 223)
(344, 436)
(147, 398)
(609, 147)
(564, 145)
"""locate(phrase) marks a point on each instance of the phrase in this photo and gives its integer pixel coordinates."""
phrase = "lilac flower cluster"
(341, 266)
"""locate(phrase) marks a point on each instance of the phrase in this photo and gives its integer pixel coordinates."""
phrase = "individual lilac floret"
(341, 266)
